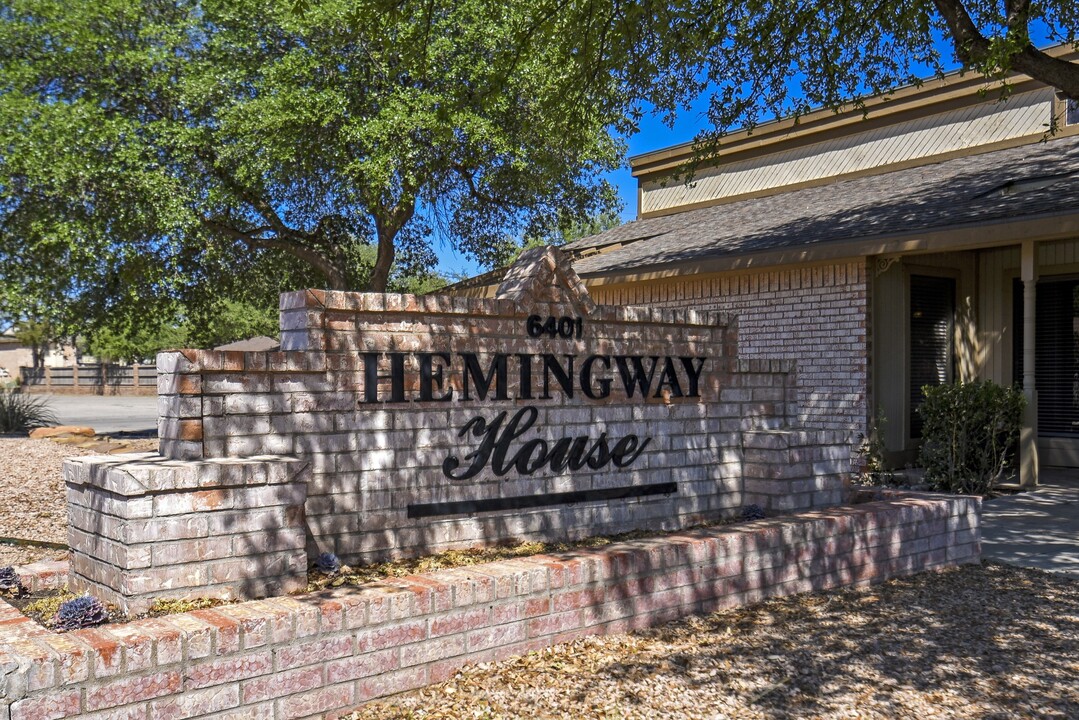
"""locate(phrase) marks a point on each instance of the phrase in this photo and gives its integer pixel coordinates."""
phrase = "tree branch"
(259, 204)
(975, 49)
(474, 190)
(253, 238)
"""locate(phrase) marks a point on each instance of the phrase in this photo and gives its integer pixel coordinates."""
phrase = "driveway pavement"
(1037, 529)
(106, 413)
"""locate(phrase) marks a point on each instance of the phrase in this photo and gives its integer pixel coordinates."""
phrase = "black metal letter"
(495, 373)
(586, 378)
(430, 378)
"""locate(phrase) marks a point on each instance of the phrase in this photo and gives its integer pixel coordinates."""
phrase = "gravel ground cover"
(989, 642)
(32, 504)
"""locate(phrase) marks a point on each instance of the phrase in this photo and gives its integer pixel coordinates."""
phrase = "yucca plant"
(20, 412)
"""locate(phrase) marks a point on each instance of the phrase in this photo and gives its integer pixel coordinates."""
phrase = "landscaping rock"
(61, 431)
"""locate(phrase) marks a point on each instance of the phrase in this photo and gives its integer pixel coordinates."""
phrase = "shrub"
(20, 412)
(871, 467)
(969, 431)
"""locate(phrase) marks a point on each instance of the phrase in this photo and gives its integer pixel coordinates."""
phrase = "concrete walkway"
(1038, 529)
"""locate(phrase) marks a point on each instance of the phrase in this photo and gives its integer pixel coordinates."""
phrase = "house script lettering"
(572, 453)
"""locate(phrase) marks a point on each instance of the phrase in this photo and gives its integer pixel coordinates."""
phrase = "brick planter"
(320, 654)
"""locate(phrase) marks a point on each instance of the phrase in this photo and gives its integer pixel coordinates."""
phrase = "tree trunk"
(387, 228)
(380, 273)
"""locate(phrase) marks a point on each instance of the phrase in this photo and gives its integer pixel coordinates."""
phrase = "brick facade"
(815, 316)
(318, 655)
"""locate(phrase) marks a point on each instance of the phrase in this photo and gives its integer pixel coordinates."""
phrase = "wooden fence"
(99, 379)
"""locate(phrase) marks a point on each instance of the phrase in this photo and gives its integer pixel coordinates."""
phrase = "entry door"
(1056, 364)
(932, 328)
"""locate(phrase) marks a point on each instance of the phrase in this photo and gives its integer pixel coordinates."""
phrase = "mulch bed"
(988, 641)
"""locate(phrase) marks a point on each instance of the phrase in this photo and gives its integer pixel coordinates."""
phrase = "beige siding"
(996, 270)
(890, 310)
(1051, 256)
(1024, 115)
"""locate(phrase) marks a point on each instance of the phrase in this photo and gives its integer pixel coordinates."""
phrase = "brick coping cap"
(424, 305)
(143, 473)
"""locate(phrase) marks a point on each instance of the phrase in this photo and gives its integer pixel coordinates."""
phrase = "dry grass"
(460, 558)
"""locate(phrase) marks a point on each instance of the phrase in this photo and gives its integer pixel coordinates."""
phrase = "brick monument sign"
(396, 425)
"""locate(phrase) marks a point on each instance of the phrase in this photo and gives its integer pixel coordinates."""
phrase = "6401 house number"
(564, 327)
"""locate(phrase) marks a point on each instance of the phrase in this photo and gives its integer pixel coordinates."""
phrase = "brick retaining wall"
(317, 655)
(145, 528)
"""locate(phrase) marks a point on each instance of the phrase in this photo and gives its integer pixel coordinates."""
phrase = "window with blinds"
(932, 326)
(1056, 353)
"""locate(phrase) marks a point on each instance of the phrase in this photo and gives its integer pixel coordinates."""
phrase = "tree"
(138, 343)
(149, 147)
(574, 229)
(221, 322)
(759, 60)
(38, 334)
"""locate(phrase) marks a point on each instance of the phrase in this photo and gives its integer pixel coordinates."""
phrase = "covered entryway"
(1056, 364)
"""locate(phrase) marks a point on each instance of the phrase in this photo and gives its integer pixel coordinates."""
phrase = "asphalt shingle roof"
(1022, 182)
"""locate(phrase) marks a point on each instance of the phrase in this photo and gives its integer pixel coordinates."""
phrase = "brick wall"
(815, 316)
(377, 459)
(316, 655)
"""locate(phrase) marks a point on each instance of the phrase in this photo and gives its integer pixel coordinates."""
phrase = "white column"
(1028, 434)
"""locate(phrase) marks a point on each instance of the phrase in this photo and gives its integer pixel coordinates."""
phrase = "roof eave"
(971, 236)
